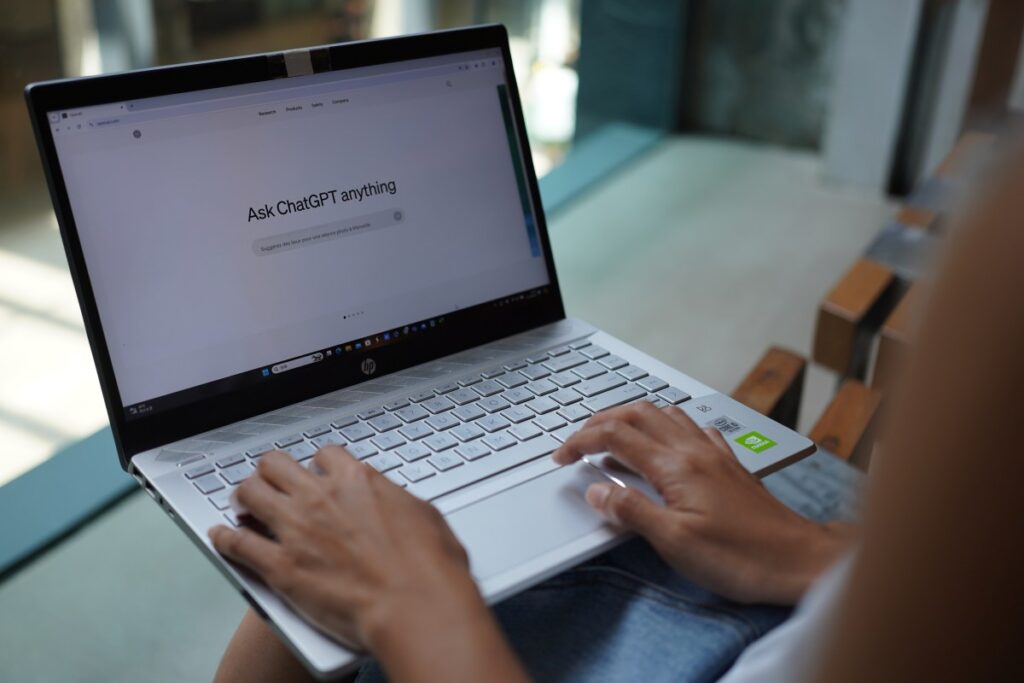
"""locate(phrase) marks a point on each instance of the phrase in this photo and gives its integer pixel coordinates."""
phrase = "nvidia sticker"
(755, 441)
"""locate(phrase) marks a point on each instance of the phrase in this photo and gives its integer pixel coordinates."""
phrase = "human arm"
(717, 524)
(370, 565)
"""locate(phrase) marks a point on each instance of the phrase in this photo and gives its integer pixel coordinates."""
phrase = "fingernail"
(597, 494)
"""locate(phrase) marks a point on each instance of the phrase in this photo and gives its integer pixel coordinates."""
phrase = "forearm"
(459, 641)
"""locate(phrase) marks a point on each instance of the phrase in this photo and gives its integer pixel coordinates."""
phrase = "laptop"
(346, 245)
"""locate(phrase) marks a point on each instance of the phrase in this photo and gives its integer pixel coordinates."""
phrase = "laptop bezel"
(473, 327)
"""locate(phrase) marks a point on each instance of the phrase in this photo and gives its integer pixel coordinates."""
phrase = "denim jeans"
(627, 616)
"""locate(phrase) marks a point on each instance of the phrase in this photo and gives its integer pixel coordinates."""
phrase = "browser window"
(230, 230)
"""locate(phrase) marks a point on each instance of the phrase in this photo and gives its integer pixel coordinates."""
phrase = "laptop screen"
(237, 234)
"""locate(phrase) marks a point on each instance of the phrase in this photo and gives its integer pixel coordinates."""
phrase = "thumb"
(628, 508)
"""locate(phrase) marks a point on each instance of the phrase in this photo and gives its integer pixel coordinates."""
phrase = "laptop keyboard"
(435, 442)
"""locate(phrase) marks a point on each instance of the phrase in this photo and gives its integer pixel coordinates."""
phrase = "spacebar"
(472, 472)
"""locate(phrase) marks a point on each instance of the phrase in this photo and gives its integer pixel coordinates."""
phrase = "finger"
(628, 444)
(629, 508)
(283, 473)
(246, 547)
(330, 458)
(682, 420)
(645, 417)
(258, 498)
(716, 438)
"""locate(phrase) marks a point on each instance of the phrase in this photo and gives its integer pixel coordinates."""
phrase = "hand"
(718, 525)
(352, 552)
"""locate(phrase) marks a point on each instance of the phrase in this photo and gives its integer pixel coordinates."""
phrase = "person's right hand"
(718, 525)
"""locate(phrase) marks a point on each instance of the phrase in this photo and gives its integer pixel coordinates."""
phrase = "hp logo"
(369, 366)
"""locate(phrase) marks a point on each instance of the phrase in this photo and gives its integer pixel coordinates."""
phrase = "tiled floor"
(703, 253)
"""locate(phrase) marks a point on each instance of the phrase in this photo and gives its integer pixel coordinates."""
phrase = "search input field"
(307, 237)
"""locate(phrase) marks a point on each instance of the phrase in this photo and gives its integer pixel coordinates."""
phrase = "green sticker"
(755, 441)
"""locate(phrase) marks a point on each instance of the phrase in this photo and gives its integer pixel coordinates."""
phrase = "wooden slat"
(850, 315)
(847, 426)
(893, 339)
(964, 155)
(774, 386)
(917, 217)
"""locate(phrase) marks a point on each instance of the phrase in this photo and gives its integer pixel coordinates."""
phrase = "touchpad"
(527, 520)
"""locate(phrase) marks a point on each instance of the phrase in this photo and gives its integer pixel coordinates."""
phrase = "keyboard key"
(463, 396)
(442, 421)
(542, 387)
(257, 451)
(319, 430)
(520, 395)
(516, 365)
(417, 472)
(580, 344)
(396, 405)
(539, 358)
(575, 413)
(473, 451)
(558, 351)
(468, 413)
(493, 404)
(344, 422)
(632, 372)
(613, 362)
(396, 479)
(388, 440)
(385, 423)
(422, 396)
(488, 388)
(356, 432)
(411, 452)
(467, 432)
(446, 388)
(570, 360)
(236, 474)
(652, 383)
(549, 422)
(331, 439)
(517, 414)
(300, 451)
(499, 441)
(362, 450)
(535, 372)
(232, 518)
(590, 370)
(411, 413)
(594, 351)
(542, 405)
(614, 397)
(221, 499)
(525, 431)
(469, 381)
(440, 442)
(385, 462)
(445, 461)
(511, 380)
(673, 395)
(599, 385)
(492, 423)
(438, 404)
(415, 431)
(565, 379)
(370, 414)
(566, 397)
(199, 471)
(229, 460)
(492, 373)
(209, 483)
(563, 433)
(288, 440)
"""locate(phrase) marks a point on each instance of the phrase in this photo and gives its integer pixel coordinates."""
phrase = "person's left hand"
(351, 551)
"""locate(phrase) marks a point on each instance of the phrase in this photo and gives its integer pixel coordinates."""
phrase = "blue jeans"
(627, 616)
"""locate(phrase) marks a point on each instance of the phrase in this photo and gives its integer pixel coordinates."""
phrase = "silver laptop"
(345, 245)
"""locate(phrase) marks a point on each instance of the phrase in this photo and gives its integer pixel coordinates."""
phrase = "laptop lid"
(247, 233)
